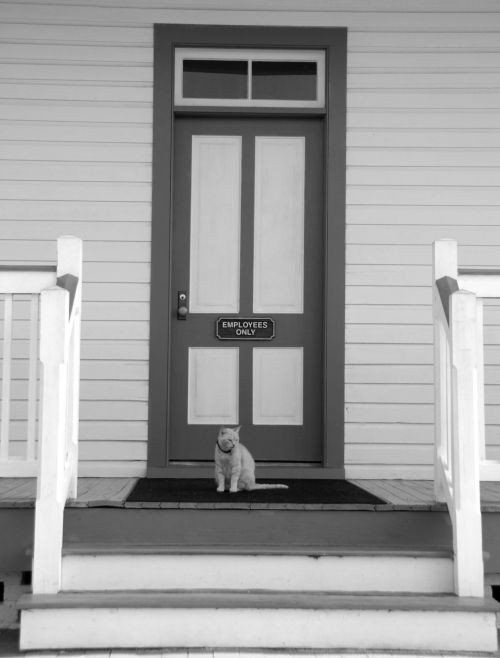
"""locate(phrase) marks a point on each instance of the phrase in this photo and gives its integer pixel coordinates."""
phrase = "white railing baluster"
(32, 379)
(481, 424)
(6, 378)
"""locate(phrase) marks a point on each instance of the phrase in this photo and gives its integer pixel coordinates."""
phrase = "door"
(248, 254)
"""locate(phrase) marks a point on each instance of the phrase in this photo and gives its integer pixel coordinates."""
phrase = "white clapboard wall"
(423, 163)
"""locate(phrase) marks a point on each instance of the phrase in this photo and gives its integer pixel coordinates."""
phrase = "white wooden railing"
(54, 341)
(20, 287)
(460, 452)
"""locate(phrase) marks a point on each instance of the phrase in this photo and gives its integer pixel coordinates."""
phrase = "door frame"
(334, 42)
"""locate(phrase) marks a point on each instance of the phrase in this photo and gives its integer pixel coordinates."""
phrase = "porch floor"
(113, 492)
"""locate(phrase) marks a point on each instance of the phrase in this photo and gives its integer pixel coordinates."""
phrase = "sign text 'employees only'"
(245, 329)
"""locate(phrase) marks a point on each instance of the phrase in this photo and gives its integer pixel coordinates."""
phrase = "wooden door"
(248, 254)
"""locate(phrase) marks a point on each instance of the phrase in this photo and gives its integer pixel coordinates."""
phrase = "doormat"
(202, 490)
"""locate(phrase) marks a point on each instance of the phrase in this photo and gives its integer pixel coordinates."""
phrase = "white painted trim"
(483, 285)
(490, 470)
(18, 468)
(25, 282)
(317, 56)
(388, 472)
(112, 469)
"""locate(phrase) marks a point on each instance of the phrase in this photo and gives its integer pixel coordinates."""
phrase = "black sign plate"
(245, 329)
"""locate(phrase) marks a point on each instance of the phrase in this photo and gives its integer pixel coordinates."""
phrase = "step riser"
(259, 572)
(101, 628)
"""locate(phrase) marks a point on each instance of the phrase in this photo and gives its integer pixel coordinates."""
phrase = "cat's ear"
(237, 429)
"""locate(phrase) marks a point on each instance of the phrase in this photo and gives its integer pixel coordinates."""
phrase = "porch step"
(112, 568)
(256, 620)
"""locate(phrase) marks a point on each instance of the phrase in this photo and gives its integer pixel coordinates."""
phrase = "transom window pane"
(284, 80)
(240, 77)
(214, 78)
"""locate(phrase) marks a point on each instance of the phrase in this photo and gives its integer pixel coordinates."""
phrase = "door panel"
(248, 242)
(278, 385)
(213, 381)
(278, 272)
(214, 277)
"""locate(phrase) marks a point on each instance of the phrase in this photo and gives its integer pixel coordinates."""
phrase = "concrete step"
(111, 568)
(256, 620)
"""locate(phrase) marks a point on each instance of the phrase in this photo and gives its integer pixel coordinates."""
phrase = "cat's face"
(228, 437)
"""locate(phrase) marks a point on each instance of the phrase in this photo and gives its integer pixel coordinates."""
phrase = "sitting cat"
(234, 465)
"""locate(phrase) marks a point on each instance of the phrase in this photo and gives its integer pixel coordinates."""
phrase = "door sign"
(245, 329)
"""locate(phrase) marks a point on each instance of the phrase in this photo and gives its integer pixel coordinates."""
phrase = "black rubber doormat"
(182, 490)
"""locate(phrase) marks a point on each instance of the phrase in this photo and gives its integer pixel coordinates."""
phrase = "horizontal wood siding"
(423, 163)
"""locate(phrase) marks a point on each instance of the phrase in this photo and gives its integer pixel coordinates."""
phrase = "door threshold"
(268, 470)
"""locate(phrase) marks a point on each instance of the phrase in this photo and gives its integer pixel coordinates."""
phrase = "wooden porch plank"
(490, 492)
(376, 487)
(123, 491)
(411, 494)
(381, 489)
(85, 484)
(394, 494)
(107, 489)
(19, 489)
(418, 490)
(10, 484)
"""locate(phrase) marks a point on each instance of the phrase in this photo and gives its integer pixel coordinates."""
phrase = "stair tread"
(258, 549)
(256, 599)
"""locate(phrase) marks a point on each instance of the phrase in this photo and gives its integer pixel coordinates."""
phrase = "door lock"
(182, 305)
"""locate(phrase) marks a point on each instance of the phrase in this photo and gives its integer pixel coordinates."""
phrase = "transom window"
(249, 78)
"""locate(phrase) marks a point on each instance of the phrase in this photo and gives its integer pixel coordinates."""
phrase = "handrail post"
(51, 497)
(444, 263)
(469, 568)
(69, 261)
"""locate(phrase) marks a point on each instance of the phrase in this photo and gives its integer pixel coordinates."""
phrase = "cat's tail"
(268, 486)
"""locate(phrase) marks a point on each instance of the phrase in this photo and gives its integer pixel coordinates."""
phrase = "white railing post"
(445, 259)
(51, 496)
(444, 263)
(469, 568)
(60, 356)
(69, 261)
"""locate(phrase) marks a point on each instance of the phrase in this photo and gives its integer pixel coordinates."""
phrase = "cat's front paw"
(233, 490)
(220, 489)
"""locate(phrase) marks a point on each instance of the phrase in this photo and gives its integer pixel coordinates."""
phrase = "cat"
(234, 465)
